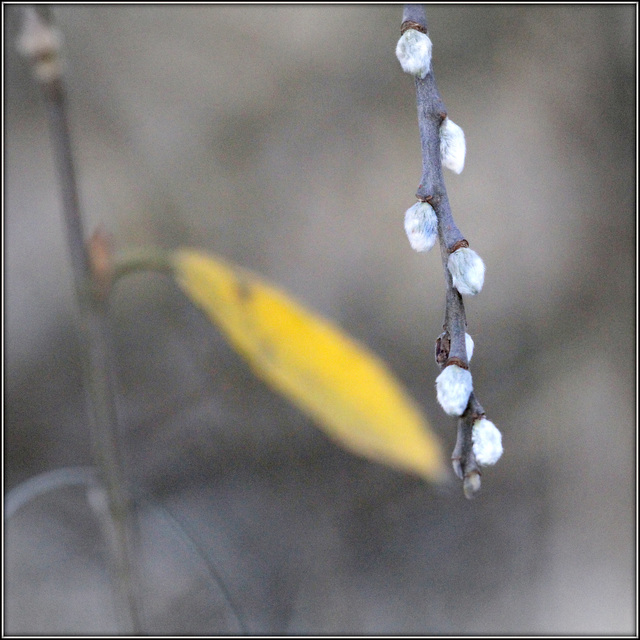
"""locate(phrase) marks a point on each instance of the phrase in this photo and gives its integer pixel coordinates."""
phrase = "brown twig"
(451, 345)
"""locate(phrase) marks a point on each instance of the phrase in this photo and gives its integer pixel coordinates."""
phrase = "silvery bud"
(452, 146)
(421, 225)
(467, 271)
(40, 42)
(468, 341)
(453, 387)
(487, 442)
(414, 53)
(443, 348)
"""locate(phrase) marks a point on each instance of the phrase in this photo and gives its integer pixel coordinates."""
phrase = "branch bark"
(451, 345)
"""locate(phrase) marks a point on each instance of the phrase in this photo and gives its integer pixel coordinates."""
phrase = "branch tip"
(40, 42)
(471, 484)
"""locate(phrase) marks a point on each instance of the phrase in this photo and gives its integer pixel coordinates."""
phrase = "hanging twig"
(478, 441)
(40, 42)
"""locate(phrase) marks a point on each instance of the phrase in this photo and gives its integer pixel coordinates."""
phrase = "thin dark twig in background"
(40, 42)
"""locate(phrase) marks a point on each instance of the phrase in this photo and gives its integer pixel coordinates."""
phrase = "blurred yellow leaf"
(343, 386)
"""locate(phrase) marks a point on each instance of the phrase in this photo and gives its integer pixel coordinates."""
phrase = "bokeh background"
(285, 138)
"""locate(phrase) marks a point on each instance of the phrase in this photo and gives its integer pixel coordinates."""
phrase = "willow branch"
(463, 268)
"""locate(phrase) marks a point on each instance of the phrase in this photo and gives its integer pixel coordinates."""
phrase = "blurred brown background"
(285, 138)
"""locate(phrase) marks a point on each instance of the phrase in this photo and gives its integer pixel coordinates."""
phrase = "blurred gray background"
(285, 138)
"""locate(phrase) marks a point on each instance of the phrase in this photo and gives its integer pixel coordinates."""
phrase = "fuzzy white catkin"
(467, 271)
(41, 42)
(468, 341)
(453, 387)
(452, 146)
(421, 225)
(414, 52)
(487, 442)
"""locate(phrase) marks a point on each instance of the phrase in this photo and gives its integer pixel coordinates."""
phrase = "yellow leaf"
(344, 387)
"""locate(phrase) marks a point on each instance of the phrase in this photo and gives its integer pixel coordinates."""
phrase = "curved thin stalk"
(43, 483)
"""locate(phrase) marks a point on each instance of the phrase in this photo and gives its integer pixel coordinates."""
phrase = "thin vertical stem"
(40, 42)
(55, 104)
